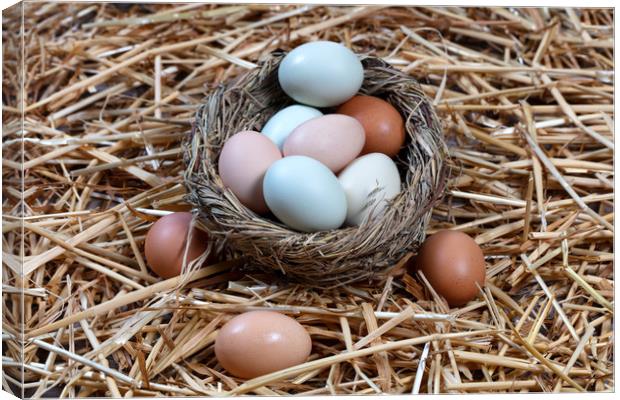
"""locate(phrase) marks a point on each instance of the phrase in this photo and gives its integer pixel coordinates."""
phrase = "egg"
(243, 161)
(256, 343)
(453, 263)
(383, 124)
(304, 194)
(282, 123)
(370, 177)
(321, 74)
(334, 140)
(165, 242)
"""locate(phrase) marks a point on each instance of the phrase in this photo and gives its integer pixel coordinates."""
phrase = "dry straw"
(525, 99)
(327, 258)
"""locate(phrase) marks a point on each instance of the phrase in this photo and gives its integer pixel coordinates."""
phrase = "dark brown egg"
(256, 343)
(453, 263)
(164, 245)
(383, 124)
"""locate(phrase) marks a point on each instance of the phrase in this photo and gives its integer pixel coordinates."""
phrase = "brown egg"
(453, 263)
(383, 124)
(259, 342)
(164, 245)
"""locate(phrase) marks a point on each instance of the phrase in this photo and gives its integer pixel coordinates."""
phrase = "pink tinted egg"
(334, 140)
(244, 159)
(256, 343)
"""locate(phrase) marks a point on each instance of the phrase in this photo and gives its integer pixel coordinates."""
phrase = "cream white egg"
(369, 182)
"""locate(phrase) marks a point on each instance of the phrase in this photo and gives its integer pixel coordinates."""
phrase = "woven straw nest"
(327, 258)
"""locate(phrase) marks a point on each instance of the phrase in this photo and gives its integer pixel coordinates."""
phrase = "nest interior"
(92, 132)
(324, 259)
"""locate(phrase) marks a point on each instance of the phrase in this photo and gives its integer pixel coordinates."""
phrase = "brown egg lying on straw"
(454, 265)
(164, 245)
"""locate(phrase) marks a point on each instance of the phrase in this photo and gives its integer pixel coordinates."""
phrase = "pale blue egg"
(282, 123)
(304, 194)
(321, 74)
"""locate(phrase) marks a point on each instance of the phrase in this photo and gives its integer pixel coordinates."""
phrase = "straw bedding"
(525, 97)
(322, 259)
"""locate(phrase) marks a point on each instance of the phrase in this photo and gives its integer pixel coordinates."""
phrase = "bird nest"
(326, 258)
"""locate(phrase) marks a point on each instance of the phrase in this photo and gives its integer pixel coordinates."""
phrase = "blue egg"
(304, 194)
(321, 74)
(282, 123)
